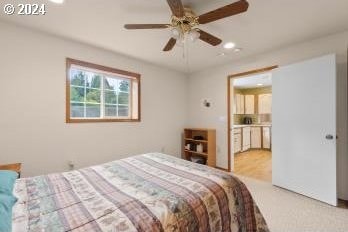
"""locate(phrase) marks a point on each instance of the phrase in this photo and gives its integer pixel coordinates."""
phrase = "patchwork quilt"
(150, 192)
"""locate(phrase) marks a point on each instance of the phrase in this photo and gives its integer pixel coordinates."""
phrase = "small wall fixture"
(206, 103)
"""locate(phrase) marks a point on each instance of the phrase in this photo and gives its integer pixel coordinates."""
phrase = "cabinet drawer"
(237, 143)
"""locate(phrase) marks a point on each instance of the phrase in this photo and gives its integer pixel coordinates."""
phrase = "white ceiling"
(267, 25)
(253, 81)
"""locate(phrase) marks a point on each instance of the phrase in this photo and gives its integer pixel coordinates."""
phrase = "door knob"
(329, 137)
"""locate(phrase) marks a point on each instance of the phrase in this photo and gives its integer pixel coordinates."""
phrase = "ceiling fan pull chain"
(187, 58)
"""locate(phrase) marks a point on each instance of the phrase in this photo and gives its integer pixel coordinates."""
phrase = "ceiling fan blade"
(146, 26)
(208, 38)
(169, 46)
(223, 12)
(176, 7)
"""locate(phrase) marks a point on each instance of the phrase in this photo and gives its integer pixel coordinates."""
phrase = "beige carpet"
(286, 211)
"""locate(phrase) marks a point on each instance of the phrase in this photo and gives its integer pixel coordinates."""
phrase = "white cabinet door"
(236, 104)
(249, 104)
(242, 110)
(266, 136)
(255, 137)
(239, 101)
(237, 142)
(265, 103)
(304, 156)
(246, 138)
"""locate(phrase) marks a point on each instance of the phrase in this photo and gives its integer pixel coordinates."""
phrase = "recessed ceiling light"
(260, 84)
(229, 45)
(57, 1)
(238, 49)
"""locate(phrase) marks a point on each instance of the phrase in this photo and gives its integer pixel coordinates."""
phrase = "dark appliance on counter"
(248, 120)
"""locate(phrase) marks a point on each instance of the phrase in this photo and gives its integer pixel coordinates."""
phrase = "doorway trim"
(229, 78)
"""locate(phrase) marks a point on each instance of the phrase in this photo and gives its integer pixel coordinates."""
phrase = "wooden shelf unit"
(208, 142)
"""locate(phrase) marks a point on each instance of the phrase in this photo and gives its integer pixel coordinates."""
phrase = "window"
(100, 94)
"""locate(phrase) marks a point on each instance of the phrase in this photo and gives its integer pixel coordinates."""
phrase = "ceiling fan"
(184, 22)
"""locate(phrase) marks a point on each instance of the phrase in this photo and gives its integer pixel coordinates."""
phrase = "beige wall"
(212, 84)
(32, 113)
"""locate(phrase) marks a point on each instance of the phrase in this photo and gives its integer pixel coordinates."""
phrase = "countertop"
(252, 125)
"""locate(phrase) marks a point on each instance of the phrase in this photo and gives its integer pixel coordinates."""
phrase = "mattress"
(150, 192)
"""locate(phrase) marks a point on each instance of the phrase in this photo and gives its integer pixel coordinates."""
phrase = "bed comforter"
(150, 192)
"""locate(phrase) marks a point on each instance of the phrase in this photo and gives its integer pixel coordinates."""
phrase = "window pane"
(93, 95)
(97, 93)
(77, 110)
(77, 94)
(123, 98)
(123, 111)
(110, 110)
(110, 83)
(93, 80)
(124, 85)
(92, 110)
(110, 97)
(78, 77)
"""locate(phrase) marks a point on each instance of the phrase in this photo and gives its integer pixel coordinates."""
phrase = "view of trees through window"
(94, 95)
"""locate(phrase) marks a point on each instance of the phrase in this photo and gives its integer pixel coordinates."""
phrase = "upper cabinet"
(239, 104)
(249, 104)
(265, 104)
(246, 104)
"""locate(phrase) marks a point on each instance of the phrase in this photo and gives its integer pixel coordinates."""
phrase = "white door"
(304, 128)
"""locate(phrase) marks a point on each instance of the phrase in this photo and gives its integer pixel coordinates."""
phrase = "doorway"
(303, 127)
(250, 123)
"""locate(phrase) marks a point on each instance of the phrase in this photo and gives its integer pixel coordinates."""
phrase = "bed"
(150, 192)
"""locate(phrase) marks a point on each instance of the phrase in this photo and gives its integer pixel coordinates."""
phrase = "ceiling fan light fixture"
(175, 33)
(193, 35)
(229, 45)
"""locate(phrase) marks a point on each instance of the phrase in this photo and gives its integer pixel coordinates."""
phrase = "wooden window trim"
(70, 62)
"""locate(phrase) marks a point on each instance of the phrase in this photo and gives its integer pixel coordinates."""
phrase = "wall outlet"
(163, 149)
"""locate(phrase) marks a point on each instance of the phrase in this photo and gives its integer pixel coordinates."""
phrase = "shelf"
(197, 153)
(195, 140)
(207, 140)
(199, 129)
